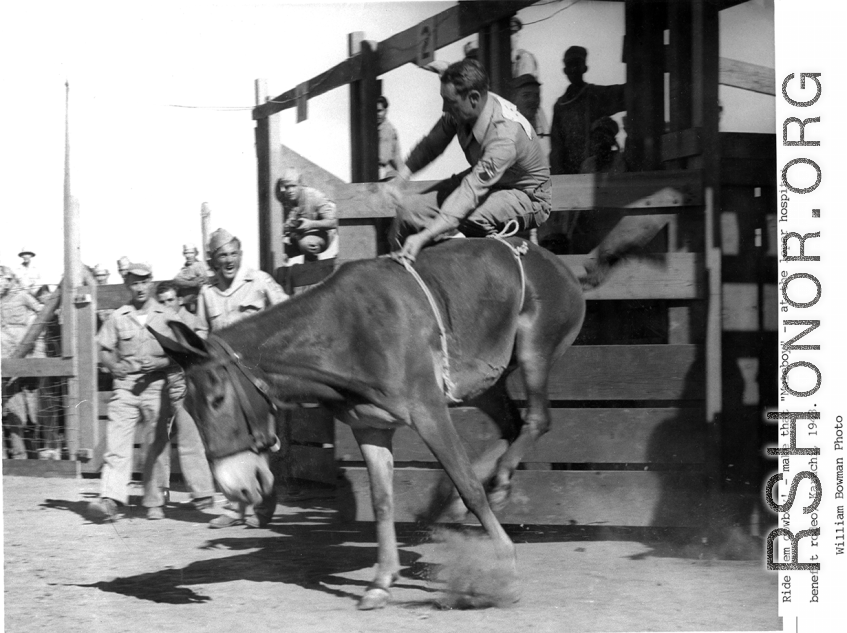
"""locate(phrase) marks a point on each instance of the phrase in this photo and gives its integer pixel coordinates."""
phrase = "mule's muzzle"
(244, 477)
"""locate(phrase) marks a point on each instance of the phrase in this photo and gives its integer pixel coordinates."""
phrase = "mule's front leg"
(376, 449)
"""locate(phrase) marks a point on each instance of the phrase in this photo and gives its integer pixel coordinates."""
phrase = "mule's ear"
(186, 348)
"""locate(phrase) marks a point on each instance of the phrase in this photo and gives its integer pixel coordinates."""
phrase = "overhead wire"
(391, 48)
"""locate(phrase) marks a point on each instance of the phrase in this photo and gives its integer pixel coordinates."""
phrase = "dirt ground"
(307, 570)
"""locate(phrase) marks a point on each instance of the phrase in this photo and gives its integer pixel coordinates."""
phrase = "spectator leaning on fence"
(140, 369)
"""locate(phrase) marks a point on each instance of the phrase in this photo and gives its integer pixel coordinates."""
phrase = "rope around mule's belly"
(517, 251)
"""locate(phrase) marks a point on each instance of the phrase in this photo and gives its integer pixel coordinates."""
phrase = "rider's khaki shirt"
(503, 150)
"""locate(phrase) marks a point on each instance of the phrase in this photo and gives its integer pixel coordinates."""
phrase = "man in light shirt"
(236, 292)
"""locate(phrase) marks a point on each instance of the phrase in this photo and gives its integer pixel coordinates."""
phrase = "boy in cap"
(140, 369)
(236, 292)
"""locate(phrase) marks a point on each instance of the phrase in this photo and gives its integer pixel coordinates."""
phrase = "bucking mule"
(382, 349)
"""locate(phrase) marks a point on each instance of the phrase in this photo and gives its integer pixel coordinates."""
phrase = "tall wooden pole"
(71, 281)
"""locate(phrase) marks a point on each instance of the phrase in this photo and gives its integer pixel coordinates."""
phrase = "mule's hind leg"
(503, 411)
(535, 356)
(376, 449)
(433, 424)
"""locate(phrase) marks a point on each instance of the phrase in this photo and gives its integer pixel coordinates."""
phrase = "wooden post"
(73, 267)
(679, 71)
(495, 53)
(86, 366)
(681, 319)
(270, 208)
(705, 65)
(364, 140)
(645, 105)
(364, 134)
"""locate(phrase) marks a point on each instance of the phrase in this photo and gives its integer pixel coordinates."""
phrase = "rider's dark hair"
(466, 75)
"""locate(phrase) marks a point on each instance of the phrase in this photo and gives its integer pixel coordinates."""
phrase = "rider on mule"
(508, 179)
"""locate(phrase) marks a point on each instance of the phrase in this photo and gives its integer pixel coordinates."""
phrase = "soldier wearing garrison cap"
(123, 265)
(236, 292)
(191, 277)
(140, 369)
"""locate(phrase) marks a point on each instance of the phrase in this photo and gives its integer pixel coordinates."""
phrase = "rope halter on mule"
(231, 361)
(518, 251)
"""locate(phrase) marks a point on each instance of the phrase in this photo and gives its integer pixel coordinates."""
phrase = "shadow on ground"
(133, 511)
(310, 549)
(313, 546)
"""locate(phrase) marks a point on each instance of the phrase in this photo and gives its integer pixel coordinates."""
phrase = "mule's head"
(232, 408)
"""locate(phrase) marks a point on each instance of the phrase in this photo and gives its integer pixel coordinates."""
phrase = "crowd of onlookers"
(21, 296)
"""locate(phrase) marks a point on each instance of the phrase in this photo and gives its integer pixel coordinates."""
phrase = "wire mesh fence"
(33, 408)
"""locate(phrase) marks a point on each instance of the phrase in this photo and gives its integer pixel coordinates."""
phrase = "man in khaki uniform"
(191, 277)
(508, 179)
(192, 456)
(390, 158)
(140, 369)
(235, 293)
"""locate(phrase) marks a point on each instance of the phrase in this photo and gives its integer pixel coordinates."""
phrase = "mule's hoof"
(374, 598)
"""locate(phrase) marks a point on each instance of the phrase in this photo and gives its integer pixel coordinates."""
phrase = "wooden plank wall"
(749, 246)
(627, 441)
